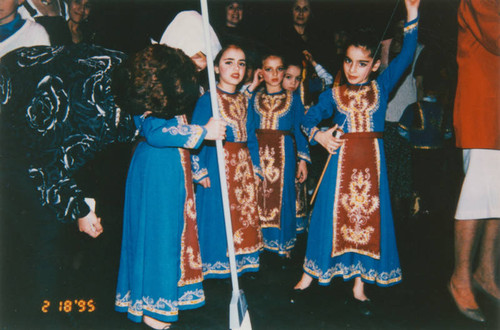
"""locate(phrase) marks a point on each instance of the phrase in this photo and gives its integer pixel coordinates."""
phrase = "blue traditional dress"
(351, 232)
(281, 142)
(241, 159)
(160, 264)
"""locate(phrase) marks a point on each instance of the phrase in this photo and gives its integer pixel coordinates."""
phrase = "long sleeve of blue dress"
(164, 133)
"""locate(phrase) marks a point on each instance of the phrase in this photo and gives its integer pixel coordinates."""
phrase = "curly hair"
(159, 79)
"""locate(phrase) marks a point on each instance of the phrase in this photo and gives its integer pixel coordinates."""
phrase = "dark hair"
(294, 62)
(223, 50)
(228, 3)
(366, 38)
(159, 79)
(270, 54)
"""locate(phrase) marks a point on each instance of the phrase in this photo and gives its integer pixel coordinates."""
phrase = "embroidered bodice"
(233, 110)
(271, 107)
(357, 103)
(362, 108)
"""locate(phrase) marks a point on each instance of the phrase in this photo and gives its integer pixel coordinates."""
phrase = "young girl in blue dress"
(242, 163)
(279, 113)
(351, 233)
(292, 82)
(160, 264)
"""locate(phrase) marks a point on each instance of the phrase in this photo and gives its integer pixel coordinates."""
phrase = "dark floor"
(421, 301)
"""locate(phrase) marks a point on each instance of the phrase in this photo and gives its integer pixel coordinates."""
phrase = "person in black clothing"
(57, 113)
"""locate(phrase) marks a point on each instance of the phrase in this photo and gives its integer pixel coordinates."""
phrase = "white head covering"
(186, 32)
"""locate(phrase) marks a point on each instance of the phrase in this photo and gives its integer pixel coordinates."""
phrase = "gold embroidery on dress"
(272, 107)
(271, 174)
(233, 110)
(189, 215)
(358, 104)
(246, 201)
(194, 260)
(359, 205)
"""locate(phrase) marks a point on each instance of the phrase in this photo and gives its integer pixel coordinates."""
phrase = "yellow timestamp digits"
(68, 305)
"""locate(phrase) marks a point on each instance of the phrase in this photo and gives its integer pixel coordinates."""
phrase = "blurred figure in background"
(16, 32)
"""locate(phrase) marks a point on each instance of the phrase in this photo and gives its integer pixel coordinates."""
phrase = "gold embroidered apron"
(190, 248)
(356, 221)
(242, 191)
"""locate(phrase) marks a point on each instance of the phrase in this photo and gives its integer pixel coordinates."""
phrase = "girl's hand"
(328, 141)
(302, 171)
(90, 224)
(258, 78)
(216, 129)
(205, 182)
(412, 9)
(309, 57)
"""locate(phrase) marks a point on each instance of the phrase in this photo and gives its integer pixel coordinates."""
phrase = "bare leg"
(488, 258)
(154, 323)
(460, 283)
(304, 282)
(358, 289)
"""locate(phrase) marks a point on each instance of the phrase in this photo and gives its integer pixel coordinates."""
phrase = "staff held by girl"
(241, 165)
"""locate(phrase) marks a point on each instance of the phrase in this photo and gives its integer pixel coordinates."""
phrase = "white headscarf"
(186, 32)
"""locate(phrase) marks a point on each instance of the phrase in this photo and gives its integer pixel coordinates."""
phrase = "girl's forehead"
(234, 52)
(272, 61)
(293, 69)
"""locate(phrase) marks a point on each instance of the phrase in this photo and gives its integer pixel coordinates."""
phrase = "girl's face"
(231, 69)
(358, 64)
(200, 60)
(292, 78)
(273, 72)
(234, 14)
(78, 10)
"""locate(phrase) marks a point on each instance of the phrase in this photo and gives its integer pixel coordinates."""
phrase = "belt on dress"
(363, 135)
(272, 131)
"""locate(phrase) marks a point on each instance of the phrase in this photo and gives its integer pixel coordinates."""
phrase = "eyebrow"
(232, 59)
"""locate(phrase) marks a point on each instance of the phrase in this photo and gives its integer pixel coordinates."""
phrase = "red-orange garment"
(272, 160)
(477, 100)
(356, 221)
(190, 248)
(242, 194)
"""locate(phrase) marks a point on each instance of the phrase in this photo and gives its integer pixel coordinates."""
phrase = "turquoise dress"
(158, 237)
(362, 109)
(247, 235)
(280, 146)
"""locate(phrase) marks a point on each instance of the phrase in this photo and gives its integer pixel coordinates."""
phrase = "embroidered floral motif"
(359, 205)
(348, 271)
(358, 104)
(271, 152)
(243, 262)
(190, 251)
(271, 172)
(49, 106)
(282, 248)
(247, 234)
(410, 28)
(233, 110)
(272, 107)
